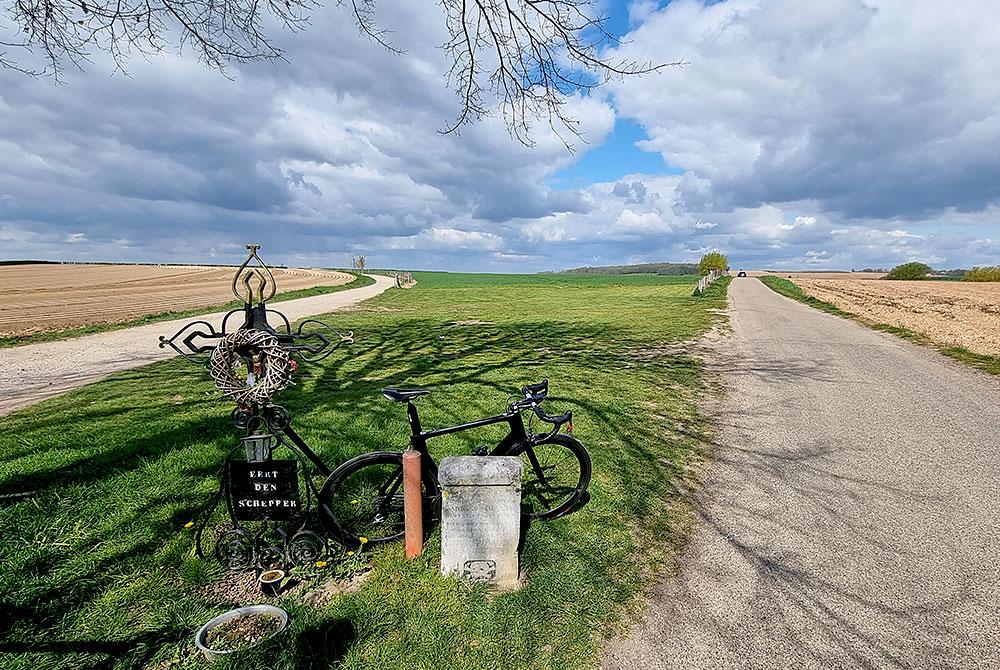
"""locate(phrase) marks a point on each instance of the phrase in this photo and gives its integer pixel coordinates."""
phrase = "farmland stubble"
(43, 297)
(960, 314)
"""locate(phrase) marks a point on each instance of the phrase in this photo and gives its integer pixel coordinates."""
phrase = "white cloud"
(834, 134)
(870, 109)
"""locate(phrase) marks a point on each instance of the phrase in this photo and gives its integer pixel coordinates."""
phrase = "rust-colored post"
(413, 504)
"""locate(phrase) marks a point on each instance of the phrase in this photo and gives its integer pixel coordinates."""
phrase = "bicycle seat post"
(411, 414)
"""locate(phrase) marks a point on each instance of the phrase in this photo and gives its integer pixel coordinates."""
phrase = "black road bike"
(362, 500)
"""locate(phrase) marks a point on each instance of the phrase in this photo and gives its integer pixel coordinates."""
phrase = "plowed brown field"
(795, 276)
(964, 314)
(41, 297)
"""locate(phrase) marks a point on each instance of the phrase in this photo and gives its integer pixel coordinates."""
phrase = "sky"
(810, 135)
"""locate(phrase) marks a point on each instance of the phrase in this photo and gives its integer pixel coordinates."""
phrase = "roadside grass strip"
(984, 362)
(98, 564)
(66, 333)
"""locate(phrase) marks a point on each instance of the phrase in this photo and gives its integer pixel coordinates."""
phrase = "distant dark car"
(741, 273)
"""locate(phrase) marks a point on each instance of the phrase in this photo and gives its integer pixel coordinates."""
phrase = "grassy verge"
(98, 566)
(49, 335)
(983, 362)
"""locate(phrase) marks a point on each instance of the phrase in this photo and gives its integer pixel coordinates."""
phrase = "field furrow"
(960, 314)
(39, 297)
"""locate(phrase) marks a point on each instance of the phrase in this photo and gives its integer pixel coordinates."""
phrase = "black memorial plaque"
(267, 491)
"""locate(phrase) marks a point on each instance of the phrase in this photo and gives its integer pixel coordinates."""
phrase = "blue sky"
(613, 159)
(618, 155)
(848, 133)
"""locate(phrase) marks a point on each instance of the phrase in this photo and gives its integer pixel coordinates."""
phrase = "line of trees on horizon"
(916, 271)
(667, 269)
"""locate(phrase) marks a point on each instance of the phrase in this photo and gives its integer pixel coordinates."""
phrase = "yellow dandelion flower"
(363, 540)
(320, 564)
(354, 502)
(350, 553)
(189, 524)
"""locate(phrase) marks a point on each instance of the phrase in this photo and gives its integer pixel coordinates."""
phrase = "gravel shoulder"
(850, 517)
(33, 372)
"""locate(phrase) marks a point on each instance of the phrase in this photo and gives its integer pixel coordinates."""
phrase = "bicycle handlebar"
(536, 391)
(534, 394)
(556, 421)
(548, 418)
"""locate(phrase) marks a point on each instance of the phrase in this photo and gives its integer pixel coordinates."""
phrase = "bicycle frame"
(419, 437)
(517, 435)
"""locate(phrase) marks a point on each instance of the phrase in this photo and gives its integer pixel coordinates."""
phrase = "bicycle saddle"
(399, 395)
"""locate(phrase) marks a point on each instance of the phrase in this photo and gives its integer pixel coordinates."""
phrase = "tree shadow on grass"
(322, 645)
(134, 652)
(116, 457)
(486, 364)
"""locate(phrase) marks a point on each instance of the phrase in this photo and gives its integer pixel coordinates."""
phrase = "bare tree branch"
(539, 52)
(518, 59)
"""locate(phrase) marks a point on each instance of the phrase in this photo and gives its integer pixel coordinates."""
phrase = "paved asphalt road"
(850, 517)
(33, 372)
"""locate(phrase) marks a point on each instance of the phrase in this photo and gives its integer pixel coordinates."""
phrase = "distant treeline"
(29, 262)
(921, 271)
(983, 274)
(671, 269)
(956, 274)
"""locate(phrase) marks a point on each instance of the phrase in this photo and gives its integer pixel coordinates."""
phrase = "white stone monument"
(481, 518)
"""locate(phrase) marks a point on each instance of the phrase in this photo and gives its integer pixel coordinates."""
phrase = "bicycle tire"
(347, 489)
(573, 482)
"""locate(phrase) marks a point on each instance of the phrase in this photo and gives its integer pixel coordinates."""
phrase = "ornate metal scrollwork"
(268, 547)
(235, 549)
(324, 341)
(254, 284)
(306, 547)
(247, 274)
(257, 535)
(192, 332)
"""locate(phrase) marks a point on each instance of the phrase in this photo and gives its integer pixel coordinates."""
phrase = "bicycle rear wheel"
(363, 498)
(556, 475)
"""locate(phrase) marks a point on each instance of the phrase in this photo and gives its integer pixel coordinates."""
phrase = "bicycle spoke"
(362, 500)
(367, 503)
(552, 473)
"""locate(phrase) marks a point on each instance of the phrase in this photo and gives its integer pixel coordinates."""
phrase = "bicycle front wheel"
(556, 475)
(363, 498)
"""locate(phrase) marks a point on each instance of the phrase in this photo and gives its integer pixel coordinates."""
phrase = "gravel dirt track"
(850, 517)
(33, 372)
(41, 297)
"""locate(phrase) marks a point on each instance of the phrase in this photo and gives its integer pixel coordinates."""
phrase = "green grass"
(453, 280)
(788, 289)
(98, 570)
(990, 364)
(49, 335)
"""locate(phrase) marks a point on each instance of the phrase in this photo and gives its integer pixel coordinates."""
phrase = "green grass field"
(98, 567)
(49, 335)
(789, 289)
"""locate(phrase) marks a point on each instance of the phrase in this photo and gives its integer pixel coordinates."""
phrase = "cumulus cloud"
(867, 109)
(833, 134)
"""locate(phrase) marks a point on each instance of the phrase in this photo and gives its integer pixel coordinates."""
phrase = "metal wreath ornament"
(270, 372)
